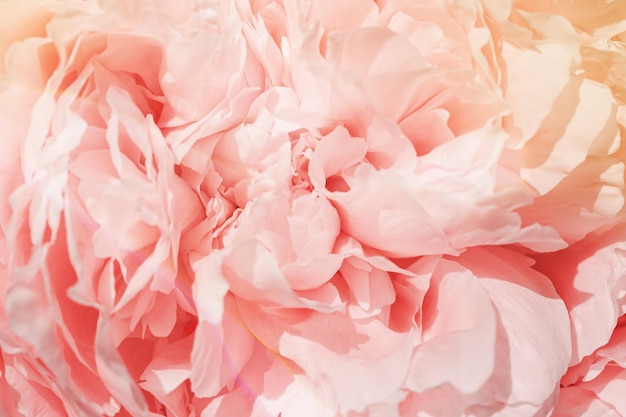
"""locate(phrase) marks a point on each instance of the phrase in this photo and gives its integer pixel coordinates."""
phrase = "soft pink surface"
(312, 208)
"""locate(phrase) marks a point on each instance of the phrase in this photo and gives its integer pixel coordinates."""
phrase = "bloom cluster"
(312, 208)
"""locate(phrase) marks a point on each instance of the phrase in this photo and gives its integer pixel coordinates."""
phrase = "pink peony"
(312, 208)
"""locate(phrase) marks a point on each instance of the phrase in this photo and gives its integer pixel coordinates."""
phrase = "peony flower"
(293, 207)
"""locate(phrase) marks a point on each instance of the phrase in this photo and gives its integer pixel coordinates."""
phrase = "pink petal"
(459, 332)
(523, 298)
(168, 369)
(219, 353)
(586, 276)
(114, 373)
(575, 401)
(367, 364)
